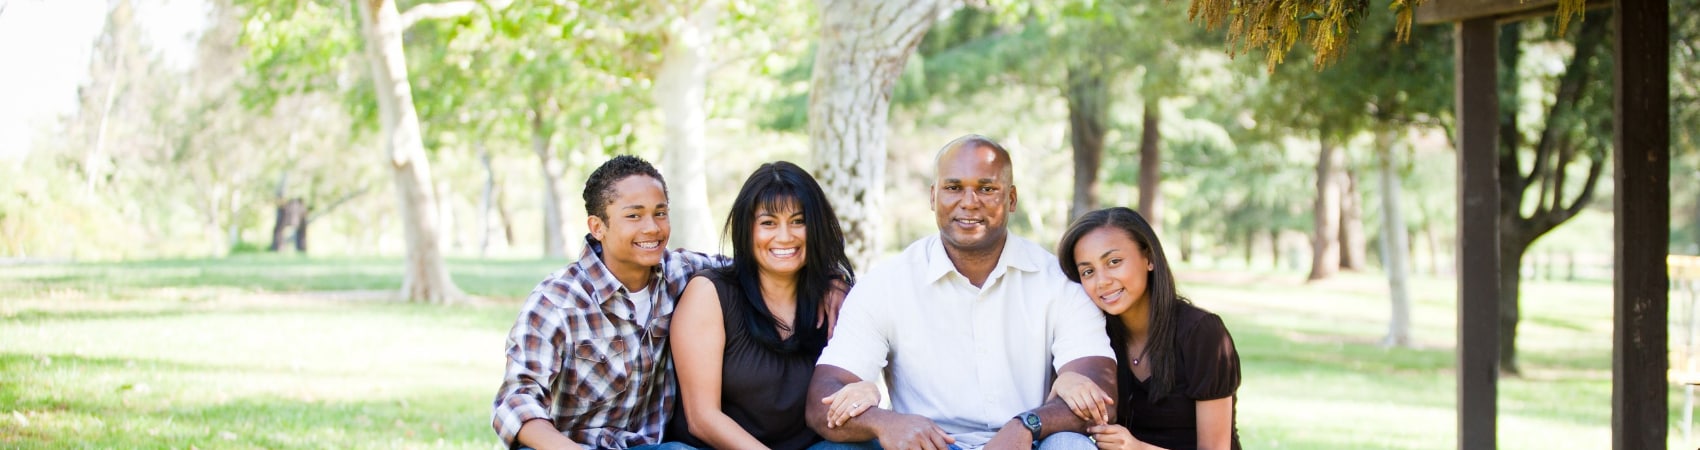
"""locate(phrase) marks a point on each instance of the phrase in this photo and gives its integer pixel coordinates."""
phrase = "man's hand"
(912, 432)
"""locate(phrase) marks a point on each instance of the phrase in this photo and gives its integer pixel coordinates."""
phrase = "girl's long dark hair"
(1165, 302)
(775, 187)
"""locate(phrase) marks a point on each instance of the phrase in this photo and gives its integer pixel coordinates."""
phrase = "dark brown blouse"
(1209, 369)
(761, 389)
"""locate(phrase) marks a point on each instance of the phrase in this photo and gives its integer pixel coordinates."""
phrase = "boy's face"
(634, 236)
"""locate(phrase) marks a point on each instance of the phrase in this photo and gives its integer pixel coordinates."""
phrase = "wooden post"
(1478, 232)
(1642, 217)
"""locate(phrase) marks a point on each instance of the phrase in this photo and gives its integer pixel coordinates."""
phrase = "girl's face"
(1113, 269)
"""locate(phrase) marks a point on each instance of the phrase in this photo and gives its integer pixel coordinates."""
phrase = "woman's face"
(780, 239)
(1113, 269)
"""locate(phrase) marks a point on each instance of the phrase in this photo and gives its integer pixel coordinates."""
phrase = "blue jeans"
(1057, 441)
(661, 446)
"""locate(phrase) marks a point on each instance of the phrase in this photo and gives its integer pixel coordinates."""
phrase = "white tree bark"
(554, 222)
(1395, 246)
(427, 277)
(863, 47)
(1325, 234)
(680, 89)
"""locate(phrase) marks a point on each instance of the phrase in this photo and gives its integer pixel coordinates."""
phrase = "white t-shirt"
(641, 305)
(969, 358)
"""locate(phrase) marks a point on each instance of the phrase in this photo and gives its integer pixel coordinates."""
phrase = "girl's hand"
(1085, 398)
(1114, 437)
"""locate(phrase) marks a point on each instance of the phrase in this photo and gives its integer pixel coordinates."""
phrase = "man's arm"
(1054, 415)
(894, 430)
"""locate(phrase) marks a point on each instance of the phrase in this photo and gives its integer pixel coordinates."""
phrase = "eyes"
(1086, 269)
(662, 214)
(984, 190)
(771, 222)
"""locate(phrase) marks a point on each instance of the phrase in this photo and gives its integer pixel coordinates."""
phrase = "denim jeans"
(661, 446)
(1057, 441)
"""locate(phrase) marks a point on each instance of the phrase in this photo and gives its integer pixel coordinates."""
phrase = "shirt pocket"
(599, 371)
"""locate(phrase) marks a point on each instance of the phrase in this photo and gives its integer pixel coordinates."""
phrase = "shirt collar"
(602, 279)
(1017, 254)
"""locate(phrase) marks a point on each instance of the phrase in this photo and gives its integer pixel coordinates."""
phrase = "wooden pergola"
(1641, 164)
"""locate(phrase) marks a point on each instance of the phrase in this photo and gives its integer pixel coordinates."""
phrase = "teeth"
(784, 252)
(648, 245)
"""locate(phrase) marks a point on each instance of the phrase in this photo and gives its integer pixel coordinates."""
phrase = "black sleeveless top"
(1209, 369)
(761, 389)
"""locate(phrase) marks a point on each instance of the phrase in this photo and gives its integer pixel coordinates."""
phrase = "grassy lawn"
(273, 352)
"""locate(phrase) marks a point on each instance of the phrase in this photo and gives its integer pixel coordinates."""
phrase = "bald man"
(968, 324)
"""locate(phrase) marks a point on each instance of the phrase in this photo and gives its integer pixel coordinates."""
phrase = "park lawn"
(282, 352)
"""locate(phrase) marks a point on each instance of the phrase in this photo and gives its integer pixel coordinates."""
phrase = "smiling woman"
(757, 327)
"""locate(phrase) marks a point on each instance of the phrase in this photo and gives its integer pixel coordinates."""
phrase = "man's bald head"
(987, 148)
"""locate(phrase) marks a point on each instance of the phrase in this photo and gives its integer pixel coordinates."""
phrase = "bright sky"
(45, 47)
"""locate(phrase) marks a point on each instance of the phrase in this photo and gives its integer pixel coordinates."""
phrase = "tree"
(1576, 128)
(863, 47)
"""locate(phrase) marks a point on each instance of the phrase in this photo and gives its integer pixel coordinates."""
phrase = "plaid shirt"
(576, 357)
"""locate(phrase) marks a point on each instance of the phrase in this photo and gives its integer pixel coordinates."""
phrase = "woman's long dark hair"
(775, 187)
(1160, 292)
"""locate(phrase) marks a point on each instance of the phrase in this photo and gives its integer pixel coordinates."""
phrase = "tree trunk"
(301, 236)
(486, 202)
(679, 89)
(1150, 166)
(1324, 243)
(1554, 151)
(1088, 110)
(863, 47)
(1354, 242)
(554, 223)
(1275, 248)
(427, 277)
(1395, 246)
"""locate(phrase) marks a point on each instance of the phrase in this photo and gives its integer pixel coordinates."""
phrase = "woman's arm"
(698, 363)
(1216, 423)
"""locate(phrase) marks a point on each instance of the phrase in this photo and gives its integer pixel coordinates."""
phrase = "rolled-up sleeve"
(1078, 328)
(859, 342)
(533, 351)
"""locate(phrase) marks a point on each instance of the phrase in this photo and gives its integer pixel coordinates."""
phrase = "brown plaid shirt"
(576, 357)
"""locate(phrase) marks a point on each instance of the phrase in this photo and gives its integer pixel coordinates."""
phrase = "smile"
(1112, 297)
(783, 252)
(648, 245)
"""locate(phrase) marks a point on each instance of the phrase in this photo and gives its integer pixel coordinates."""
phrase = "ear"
(1012, 196)
(598, 228)
(933, 197)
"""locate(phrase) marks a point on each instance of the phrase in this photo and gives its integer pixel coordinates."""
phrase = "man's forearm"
(827, 381)
(1055, 415)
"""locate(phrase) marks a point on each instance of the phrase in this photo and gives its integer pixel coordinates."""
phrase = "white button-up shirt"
(970, 358)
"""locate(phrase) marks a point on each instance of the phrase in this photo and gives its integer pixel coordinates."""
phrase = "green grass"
(287, 352)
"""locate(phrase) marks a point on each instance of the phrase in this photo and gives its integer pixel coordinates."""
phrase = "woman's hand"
(1085, 398)
(1114, 437)
(850, 401)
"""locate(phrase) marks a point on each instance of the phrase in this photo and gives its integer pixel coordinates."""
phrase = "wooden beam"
(1477, 103)
(1641, 160)
(1443, 11)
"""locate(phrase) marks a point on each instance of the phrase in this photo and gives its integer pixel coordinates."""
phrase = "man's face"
(972, 195)
(635, 233)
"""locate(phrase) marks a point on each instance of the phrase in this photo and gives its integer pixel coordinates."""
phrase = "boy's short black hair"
(599, 188)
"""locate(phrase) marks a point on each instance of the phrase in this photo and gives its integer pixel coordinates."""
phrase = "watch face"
(1032, 420)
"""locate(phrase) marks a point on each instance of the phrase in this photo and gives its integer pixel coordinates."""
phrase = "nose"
(789, 233)
(1100, 283)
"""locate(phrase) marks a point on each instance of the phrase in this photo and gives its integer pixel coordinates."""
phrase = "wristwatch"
(1031, 421)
